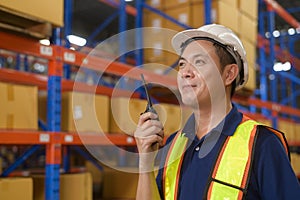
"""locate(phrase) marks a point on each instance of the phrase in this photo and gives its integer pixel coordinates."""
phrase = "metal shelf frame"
(55, 140)
(270, 51)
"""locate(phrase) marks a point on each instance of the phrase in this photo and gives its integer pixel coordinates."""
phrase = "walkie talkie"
(149, 107)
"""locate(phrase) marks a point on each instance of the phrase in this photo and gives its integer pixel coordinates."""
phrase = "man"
(220, 153)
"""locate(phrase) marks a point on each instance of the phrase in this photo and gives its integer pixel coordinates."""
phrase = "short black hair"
(225, 58)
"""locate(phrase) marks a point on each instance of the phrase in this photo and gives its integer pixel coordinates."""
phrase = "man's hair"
(225, 59)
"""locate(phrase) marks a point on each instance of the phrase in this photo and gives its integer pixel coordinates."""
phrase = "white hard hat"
(218, 34)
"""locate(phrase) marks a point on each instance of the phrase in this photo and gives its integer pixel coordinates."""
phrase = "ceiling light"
(128, 0)
(267, 34)
(291, 31)
(278, 66)
(276, 33)
(286, 66)
(45, 42)
(79, 41)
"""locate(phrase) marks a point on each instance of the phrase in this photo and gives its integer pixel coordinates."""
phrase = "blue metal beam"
(207, 11)
(20, 160)
(139, 40)
(290, 76)
(262, 61)
(102, 26)
(67, 31)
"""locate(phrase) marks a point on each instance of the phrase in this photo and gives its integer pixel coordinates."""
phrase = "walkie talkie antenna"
(146, 90)
(149, 107)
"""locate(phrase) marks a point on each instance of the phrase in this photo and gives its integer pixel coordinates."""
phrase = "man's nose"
(188, 71)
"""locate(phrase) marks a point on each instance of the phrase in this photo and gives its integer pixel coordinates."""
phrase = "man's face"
(199, 75)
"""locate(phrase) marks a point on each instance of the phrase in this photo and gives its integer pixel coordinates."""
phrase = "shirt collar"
(227, 126)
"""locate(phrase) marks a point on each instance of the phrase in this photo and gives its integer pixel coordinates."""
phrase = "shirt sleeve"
(275, 176)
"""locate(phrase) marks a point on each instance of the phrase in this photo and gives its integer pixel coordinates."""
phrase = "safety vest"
(235, 154)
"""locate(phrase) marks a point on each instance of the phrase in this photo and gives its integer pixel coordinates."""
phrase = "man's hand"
(149, 136)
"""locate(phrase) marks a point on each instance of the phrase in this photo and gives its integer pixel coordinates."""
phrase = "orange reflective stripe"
(281, 137)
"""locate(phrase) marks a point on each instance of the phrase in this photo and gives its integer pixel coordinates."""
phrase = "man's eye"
(199, 62)
(181, 64)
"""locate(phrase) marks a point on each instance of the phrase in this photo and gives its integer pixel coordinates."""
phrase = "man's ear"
(230, 73)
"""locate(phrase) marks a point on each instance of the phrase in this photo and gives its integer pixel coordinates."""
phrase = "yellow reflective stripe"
(173, 166)
(224, 192)
(232, 165)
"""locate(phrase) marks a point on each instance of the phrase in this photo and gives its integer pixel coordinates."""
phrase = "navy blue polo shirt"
(271, 176)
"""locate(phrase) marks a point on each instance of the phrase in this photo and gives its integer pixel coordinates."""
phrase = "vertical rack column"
(53, 149)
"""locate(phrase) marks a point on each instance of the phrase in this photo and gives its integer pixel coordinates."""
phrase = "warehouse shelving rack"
(53, 138)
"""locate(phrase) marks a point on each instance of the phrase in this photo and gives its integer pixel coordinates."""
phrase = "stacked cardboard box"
(297, 132)
(38, 9)
(158, 52)
(156, 3)
(170, 116)
(248, 33)
(16, 188)
(72, 187)
(119, 184)
(295, 162)
(18, 107)
(80, 112)
(288, 128)
(124, 114)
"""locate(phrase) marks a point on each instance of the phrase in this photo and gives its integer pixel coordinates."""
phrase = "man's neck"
(209, 117)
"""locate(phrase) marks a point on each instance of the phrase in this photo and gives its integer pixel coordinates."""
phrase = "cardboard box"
(221, 13)
(94, 171)
(250, 49)
(170, 116)
(159, 4)
(297, 132)
(81, 112)
(233, 3)
(16, 188)
(295, 162)
(228, 16)
(265, 121)
(251, 83)
(119, 184)
(85, 112)
(198, 13)
(288, 128)
(72, 187)
(248, 28)
(175, 3)
(250, 8)
(48, 10)
(157, 39)
(182, 13)
(19, 107)
(125, 113)
(162, 68)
